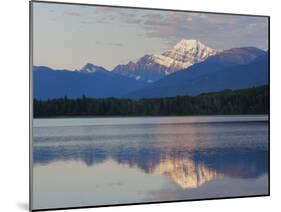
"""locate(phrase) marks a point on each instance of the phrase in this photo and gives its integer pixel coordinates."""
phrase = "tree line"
(245, 101)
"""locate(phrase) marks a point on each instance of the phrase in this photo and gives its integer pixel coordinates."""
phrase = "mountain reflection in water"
(186, 173)
(190, 155)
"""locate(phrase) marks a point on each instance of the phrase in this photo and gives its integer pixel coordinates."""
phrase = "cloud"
(217, 30)
(109, 44)
(211, 28)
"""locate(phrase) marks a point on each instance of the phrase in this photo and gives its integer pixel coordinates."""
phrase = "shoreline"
(156, 116)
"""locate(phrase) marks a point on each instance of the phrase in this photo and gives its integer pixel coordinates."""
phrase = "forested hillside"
(246, 101)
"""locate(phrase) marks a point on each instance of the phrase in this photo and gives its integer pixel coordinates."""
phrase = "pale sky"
(69, 36)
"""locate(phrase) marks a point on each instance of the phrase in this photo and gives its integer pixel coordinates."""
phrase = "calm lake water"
(98, 161)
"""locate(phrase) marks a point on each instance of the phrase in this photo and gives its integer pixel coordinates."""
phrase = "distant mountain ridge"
(49, 83)
(159, 75)
(190, 81)
(91, 68)
(153, 67)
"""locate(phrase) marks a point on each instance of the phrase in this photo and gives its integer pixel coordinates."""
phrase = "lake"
(99, 161)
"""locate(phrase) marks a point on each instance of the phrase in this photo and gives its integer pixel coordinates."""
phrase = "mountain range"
(188, 68)
(152, 67)
(231, 69)
(49, 83)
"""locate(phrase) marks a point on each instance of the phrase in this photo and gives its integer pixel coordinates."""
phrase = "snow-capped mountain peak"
(187, 44)
(91, 68)
(155, 66)
(184, 54)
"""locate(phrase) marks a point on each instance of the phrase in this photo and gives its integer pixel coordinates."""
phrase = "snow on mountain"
(155, 66)
(235, 68)
(184, 54)
(91, 68)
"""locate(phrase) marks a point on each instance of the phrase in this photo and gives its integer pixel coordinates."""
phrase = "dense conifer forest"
(245, 101)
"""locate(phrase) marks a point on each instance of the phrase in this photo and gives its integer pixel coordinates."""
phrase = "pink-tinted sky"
(68, 36)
